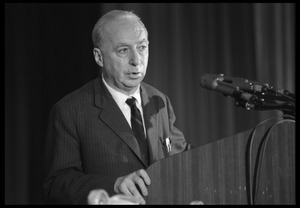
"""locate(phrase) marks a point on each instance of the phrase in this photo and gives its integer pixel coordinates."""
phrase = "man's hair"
(98, 31)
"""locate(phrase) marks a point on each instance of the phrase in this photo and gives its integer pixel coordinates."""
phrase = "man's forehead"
(124, 25)
(124, 30)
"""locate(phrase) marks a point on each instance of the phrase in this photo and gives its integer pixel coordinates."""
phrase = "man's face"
(125, 54)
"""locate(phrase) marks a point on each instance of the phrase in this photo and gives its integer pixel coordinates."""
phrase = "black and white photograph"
(150, 103)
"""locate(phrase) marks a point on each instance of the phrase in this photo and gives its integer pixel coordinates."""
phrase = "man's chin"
(132, 82)
(132, 85)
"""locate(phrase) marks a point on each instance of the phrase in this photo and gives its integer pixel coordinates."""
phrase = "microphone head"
(216, 82)
(209, 81)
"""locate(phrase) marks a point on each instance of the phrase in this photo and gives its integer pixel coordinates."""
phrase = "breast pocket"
(166, 146)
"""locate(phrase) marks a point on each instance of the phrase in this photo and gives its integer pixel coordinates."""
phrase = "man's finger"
(144, 175)
(128, 188)
(140, 182)
(124, 189)
(136, 194)
(133, 190)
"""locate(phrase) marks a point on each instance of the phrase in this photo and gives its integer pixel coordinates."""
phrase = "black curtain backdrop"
(48, 53)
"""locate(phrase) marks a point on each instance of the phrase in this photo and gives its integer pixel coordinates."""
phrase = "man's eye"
(142, 48)
(123, 50)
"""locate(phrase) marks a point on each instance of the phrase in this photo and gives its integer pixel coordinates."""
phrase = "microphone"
(231, 85)
(212, 82)
(249, 94)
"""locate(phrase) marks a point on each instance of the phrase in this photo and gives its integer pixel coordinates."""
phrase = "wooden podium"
(233, 170)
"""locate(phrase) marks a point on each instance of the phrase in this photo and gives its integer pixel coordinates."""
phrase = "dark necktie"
(137, 128)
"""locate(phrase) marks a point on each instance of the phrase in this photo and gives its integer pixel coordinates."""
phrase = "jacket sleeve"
(65, 182)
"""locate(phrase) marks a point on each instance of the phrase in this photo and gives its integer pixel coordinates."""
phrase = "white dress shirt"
(121, 98)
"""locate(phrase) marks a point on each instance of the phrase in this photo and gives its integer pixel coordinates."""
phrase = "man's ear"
(98, 56)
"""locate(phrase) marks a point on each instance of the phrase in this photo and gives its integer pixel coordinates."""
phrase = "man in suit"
(90, 141)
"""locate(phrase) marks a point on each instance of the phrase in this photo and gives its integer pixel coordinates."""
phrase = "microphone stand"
(268, 99)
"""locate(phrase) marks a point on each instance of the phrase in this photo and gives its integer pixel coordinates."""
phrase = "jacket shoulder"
(152, 90)
(79, 96)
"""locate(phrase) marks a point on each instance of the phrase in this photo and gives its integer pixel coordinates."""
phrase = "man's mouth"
(135, 74)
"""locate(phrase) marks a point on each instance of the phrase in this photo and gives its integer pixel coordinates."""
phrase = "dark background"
(48, 53)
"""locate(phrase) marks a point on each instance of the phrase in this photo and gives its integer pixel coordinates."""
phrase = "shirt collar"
(121, 98)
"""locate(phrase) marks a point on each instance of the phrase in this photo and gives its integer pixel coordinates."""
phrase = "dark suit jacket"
(89, 143)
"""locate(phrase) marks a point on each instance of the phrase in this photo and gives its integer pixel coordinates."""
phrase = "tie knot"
(131, 101)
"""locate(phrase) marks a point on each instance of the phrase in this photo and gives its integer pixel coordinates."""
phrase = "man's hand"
(133, 184)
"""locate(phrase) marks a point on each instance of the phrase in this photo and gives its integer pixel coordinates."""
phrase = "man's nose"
(135, 58)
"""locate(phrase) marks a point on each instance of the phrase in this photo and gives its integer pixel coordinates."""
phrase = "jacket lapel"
(113, 117)
(151, 105)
